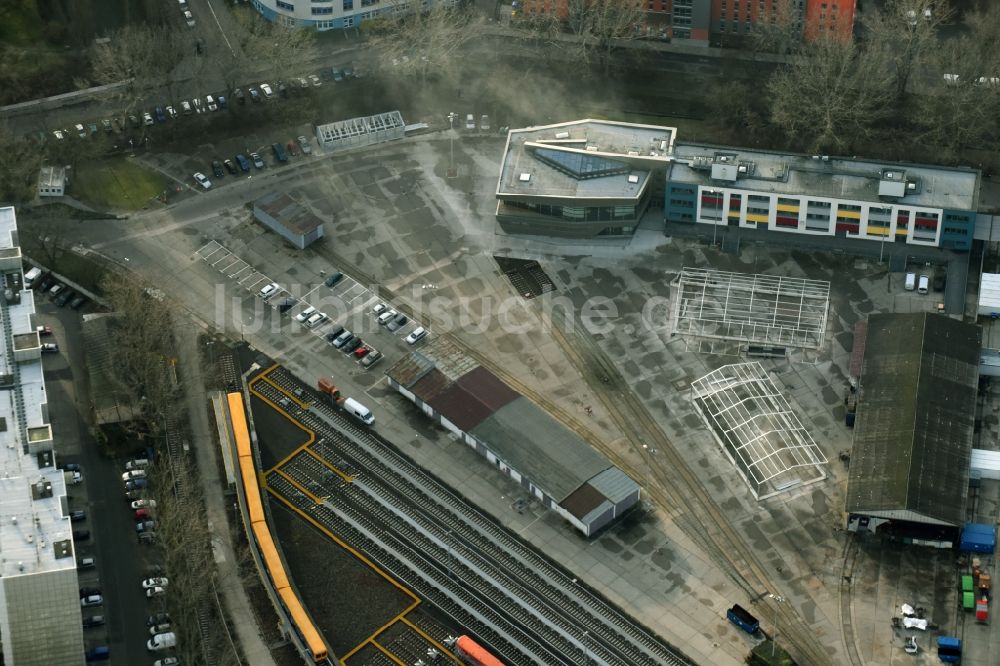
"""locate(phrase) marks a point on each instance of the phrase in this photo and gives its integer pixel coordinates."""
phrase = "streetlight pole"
(451, 119)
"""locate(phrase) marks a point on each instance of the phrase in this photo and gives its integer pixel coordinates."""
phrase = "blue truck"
(949, 649)
(743, 619)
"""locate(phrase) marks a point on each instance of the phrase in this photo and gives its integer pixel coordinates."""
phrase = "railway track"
(588, 626)
(850, 558)
(670, 481)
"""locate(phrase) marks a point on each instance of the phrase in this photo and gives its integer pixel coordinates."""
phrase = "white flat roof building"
(51, 181)
(40, 616)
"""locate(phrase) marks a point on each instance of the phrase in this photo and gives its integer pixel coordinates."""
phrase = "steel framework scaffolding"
(757, 309)
(757, 429)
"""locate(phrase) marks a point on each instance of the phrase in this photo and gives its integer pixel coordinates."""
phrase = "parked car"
(82, 132)
(91, 601)
(221, 101)
(147, 119)
(144, 503)
(243, 162)
(304, 145)
(200, 178)
(145, 526)
(89, 591)
(161, 641)
(315, 319)
(416, 335)
(86, 563)
(45, 330)
(196, 103)
(371, 358)
(50, 348)
(292, 150)
(334, 278)
(159, 629)
(157, 618)
(348, 343)
(305, 314)
(230, 167)
(135, 484)
(334, 334)
(78, 302)
(337, 74)
(167, 661)
(254, 94)
(134, 474)
(352, 345)
(348, 73)
(155, 592)
(93, 621)
(315, 81)
(171, 111)
(72, 467)
(141, 514)
(379, 309)
(133, 120)
(217, 169)
(77, 516)
(397, 322)
(98, 653)
(210, 103)
(62, 299)
(240, 97)
(282, 89)
(186, 108)
(342, 339)
(266, 89)
(386, 317)
(154, 582)
(361, 351)
(257, 161)
(161, 117)
(137, 463)
(59, 134)
(269, 290)
(286, 304)
(302, 82)
(106, 125)
(279, 152)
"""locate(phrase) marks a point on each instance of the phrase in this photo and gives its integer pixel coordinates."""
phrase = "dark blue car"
(161, 117)
(243, 162)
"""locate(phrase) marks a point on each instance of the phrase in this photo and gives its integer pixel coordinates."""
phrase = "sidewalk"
(242, 621)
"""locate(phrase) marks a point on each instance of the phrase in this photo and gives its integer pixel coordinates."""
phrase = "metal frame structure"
(752, 308)
(757, 429)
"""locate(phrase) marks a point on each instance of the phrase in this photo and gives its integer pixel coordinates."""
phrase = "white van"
(31, 276)
(359, 411)
(923, 284)
(161, 641)
(138, 463)
(911, 282)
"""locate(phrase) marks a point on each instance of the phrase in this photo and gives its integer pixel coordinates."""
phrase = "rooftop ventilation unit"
(724, 171)
(562, 135)
(892, 183)
(524, 177)
(592, 149)
(633, 178)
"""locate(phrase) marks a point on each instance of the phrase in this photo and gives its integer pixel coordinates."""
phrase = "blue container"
(949, 649)
(743, 619)
(978, 538)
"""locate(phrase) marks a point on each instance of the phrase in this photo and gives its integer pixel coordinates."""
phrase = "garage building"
(514, 434)
(909, 474)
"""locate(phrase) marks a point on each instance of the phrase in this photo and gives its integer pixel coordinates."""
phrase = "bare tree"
(423, 42)
(778, 28)
(904, 35)
(830, 95)
(281, 49)
(960, 102)
(19, 166)
(599, 26)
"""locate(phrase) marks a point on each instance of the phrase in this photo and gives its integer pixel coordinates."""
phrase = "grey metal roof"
(288, 212)
(408, 370)
(583, 159)
(915, 418)
(539, 447)
(836, 178)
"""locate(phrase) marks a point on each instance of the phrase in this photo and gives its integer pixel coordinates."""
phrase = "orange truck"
(327, 387)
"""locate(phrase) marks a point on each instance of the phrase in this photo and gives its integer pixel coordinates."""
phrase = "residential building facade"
(333, 14)
(40, 614)
(822, 196)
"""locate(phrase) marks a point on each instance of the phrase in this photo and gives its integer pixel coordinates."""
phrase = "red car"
(141, 514)
(361, 351)
(292, 148)
(44, 330)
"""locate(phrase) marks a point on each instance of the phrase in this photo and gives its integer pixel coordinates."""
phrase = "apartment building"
(40, 616)
(332, 14)
(822, 196)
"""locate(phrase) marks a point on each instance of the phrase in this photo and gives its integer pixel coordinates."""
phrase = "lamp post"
(451, 120)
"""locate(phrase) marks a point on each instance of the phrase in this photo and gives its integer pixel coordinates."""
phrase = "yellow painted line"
(316, 499)
(391, 656)
(310, 440)
(323, 461)
(427, 637)
(262, 375)
(303, 405)
(353, 551)
(856, 214)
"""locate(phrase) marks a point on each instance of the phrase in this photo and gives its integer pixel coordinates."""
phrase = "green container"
(968, 600)
(966, 583)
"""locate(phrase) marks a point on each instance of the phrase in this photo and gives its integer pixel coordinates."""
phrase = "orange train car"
(474, 654)
(262, 534)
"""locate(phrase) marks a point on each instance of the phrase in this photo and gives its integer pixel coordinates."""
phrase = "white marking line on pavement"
(245, 268)
(208, 249)
(221, 31)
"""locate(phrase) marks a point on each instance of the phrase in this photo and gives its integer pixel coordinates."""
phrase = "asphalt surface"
(120, 560)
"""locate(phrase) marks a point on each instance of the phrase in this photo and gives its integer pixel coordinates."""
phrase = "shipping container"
(743, 619)
(949, 649)
(968, 600)
(978, 538)
(967, 583)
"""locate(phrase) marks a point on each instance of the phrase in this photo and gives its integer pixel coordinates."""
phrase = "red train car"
(473, 653)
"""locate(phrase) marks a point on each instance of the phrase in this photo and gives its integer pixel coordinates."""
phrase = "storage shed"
(989, 295)
(288, 218)
(550, 461)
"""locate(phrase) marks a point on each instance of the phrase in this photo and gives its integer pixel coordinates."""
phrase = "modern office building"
(40, 618)
(701, 22)
(331, 14)
(581, 179)
(822, 196)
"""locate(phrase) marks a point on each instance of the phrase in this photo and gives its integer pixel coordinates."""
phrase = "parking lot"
(106, 532)
(348, 307)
